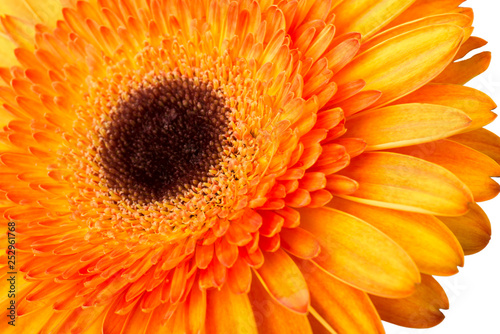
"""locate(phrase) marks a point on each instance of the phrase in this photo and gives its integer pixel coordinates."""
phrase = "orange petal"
(270, 244)
(331, 153)
(292, 174)
(299, 242)
(272, 223)
(327, 119)
(272, 317)
(341, 185)
(358, 102)
(237, 236)
(344, 308)
(290, 186)
(406, 124)
(239, 277)
(177, 322)
(156, 322)
(313, 181)
(401, 182)
(420, 310)
(353, 146)
(471, 44)
(341, 55)
(204, 255)
(310, 155)
(333, 166)
(318, 324)
(320, 43)
(298, 198)
(228, 312)
(320, 198)
(474, 103)
(254, 259)
(137, 321)
(114, 323)
(253, 245)
(473, 230)
(291, 216)
(404, 63)
(473, 168)
(226, 252)
(251, 221)
(335, 132)
(360, 255)
(358, 15)
(197, 310)
(151, 299)
(288, 287)
(481, 140)
(461, 72)
(349, 89)
(80, 319)
(430, 243)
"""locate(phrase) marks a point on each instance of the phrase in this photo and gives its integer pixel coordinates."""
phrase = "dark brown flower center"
(163, 139)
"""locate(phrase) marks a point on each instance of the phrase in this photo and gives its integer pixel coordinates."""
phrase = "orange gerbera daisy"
(216, 166)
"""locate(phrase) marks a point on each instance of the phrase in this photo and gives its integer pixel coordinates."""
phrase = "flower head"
(240, 166)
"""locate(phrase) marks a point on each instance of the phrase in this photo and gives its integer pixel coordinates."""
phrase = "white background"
(474, 293)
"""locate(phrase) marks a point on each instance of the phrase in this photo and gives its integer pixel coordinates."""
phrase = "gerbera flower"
(239, 167)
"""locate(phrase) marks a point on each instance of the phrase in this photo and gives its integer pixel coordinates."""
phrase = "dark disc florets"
(165, 137)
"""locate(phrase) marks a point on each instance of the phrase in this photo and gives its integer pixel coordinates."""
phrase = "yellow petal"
(474, 103)
(229, 313)
(7, 47)
(406, 124)
(360, 255)
(461, 72)
(451, 18)
(344, 308)
(472, 168)
(367, 16)
(472, 230)
(420, 310)
(272, 317)
(404, 63)
(481, 140)
(289, 287)
(406, 183)
(47, 12)
(432, 246)
(423, 8)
